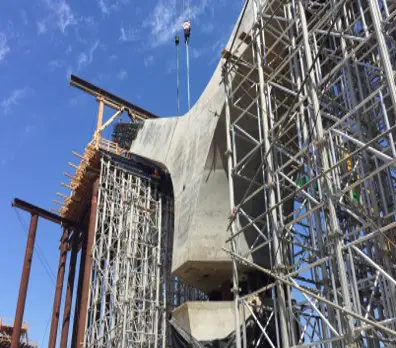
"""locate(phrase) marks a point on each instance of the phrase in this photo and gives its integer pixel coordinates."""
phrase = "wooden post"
(98, 132)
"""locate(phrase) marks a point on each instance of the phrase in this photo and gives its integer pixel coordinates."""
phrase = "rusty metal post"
(27, 263)
(58, 291)
(69, 291)
(88, 265)
(79, 288)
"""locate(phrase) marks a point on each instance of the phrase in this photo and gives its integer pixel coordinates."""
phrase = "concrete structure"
(186, 147)
(273, 199)
(301, 115)
(206, 321)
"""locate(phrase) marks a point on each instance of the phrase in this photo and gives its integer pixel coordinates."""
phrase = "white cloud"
(148, 61)
(103, 7)
(88, 21)
(13, 99)
(197, 52)
(92, 50)
(122, 75)
(65, 16)
(85, 59)
(82, 60)
(68, 49)
(164, 22)
(41, 27)
(106, 6)
(60, 16)
(129, 34)
(55, 64)
(4, 48)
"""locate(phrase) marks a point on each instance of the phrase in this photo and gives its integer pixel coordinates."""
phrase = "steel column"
(83, 256)
(87, 266)
(69, 291)
(59, 287)
(27, 264)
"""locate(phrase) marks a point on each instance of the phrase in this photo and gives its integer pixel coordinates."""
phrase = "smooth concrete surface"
(206, 321)
(192, 148)
(182, 145)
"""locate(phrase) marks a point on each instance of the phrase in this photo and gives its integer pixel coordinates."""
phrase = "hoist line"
(177, 74)
(177, 40)
(188, 74)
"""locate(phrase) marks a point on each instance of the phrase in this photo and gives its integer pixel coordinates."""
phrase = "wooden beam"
(79, 156)
(67, 175)
(67, 186)
(72, 165)
(111, 119)
(100, 119)
(62, 195)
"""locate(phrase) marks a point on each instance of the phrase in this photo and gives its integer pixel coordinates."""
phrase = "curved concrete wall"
(185, 146)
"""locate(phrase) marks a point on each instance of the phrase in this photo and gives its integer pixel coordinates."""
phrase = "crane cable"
(187, 41)
(177, 41)
(188, 75)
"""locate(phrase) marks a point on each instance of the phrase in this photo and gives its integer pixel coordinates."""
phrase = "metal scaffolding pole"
(322, 72)
(131, 283)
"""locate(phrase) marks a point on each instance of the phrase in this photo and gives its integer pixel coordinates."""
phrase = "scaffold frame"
(132, 290)
(317, 80)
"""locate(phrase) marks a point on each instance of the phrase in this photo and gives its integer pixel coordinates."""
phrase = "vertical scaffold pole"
(277, 247)
(333, 220)
(235, 281)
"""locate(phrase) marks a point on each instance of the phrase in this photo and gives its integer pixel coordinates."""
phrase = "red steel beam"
(69, 291)
(27, 264)
(33, 209)
(88, 266)
(58, 291)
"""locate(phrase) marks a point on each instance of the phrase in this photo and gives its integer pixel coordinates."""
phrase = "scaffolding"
(132, 290)
(310, 126)
(6, 331)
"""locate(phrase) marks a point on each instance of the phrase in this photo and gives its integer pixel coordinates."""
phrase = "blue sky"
(124, 46)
